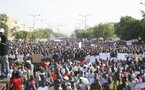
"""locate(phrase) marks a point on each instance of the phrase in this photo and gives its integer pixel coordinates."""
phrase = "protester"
(81, 85)
(31, 84)
(68, 66)
(16, 81)
(4, 54)
(96, 85)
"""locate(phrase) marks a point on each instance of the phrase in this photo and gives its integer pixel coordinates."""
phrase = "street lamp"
(34, 17)
(85, 20)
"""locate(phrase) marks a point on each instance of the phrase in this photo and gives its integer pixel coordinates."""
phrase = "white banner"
(36, 58)
(91, 59)
(122, 56)
(104, 56)
(129, 43)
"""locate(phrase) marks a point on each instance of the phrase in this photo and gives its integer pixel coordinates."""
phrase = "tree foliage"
(3, 20)
(59, 35)
(102, 30)
(21, 35)
(37, 34)
(143, 13)
(82, 34)
(129, 28)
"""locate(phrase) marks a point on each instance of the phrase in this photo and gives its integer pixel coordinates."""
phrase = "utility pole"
(85, 20)
(34, 17)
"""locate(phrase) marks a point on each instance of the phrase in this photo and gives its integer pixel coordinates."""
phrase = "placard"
(36, 58)
(129, 43)
(122, 56)
(104, 56)
(91, 59)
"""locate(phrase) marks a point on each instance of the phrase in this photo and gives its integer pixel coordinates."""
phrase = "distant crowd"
(76, 65)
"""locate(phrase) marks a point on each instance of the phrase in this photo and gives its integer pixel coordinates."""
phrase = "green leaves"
(37, 34)
(83, 34)
(3, 20)
(102, 30)
(129, 28)
(21, 35)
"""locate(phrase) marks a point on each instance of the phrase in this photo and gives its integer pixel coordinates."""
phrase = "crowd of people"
(66, 65)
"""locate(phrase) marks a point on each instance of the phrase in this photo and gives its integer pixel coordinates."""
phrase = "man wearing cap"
(3, 54)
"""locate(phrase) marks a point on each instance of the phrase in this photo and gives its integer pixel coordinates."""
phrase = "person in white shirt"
(43, 87)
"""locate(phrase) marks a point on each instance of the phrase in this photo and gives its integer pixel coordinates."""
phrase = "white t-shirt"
(43, 88)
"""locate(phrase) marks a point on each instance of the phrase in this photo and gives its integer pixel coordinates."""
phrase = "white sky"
(64, 14)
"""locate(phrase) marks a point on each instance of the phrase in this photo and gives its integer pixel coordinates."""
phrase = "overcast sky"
(64, 15)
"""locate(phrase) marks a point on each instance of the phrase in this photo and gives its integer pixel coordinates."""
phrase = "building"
(15, 24)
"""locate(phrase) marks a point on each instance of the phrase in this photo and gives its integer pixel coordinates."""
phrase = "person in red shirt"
(54, 75)
(32, 82)
(66, 73)
(16, 81)
(44, 65)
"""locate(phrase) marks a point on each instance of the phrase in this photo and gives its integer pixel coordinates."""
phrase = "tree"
(143, 13)
(12, 32)
(43, 33)
(37, 34)
(82, 34)
(21, 35)
(142, 26)
(97, 31)
(104, 30)
(90, 33)
(109, 30)
(122, 29)
(60, 35)
(78, 33)
(3, 20)
(129, 28)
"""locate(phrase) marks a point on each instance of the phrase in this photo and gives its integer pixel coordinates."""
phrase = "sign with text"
(36, 58)
(104, 56)
(91, 59)
(129, 43)
(122, 56)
